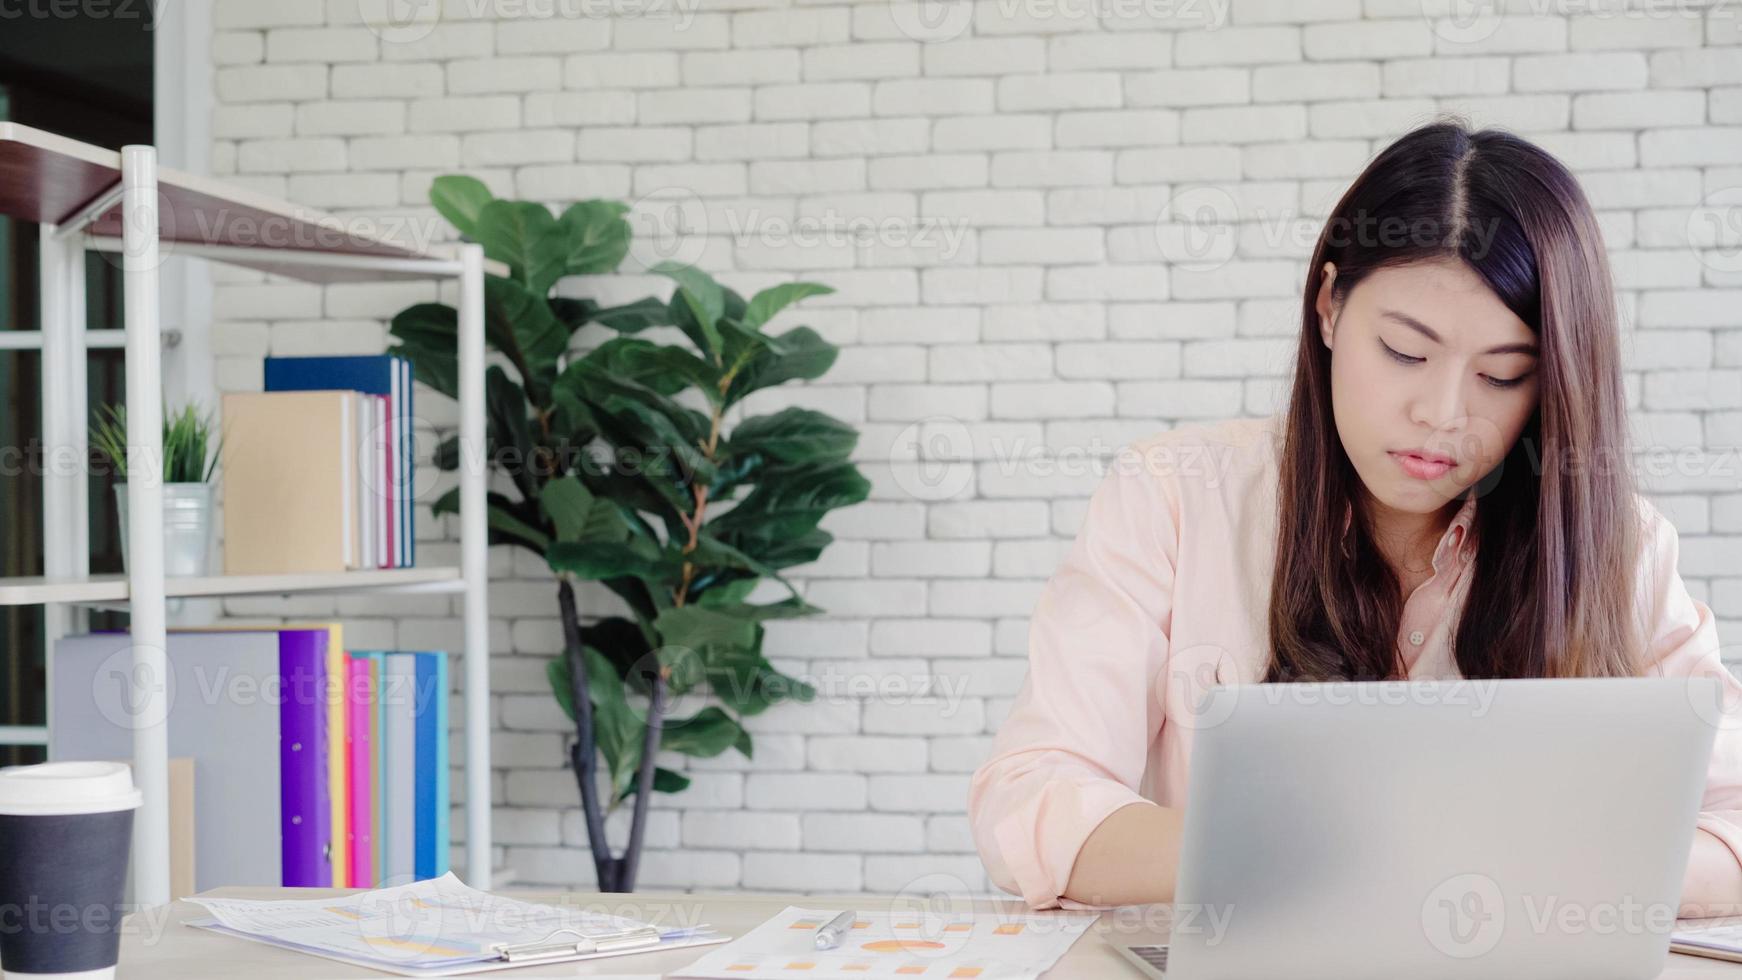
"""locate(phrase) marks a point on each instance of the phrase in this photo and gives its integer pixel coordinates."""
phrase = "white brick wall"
(1022, 305)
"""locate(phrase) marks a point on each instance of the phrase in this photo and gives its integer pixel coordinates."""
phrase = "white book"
(222, 715)
(360, 460)
(399, 760)
(383, 500)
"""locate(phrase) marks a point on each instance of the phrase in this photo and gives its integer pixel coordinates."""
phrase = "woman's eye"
(1400, 358)
(1506, 382)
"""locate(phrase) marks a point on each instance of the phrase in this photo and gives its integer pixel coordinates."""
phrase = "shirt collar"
(1458, 538)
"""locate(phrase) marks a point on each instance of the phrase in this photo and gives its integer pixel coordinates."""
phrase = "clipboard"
(549, 950)
(1717, 939)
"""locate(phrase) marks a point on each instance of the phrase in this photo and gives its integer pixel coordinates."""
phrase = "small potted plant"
(190, 456)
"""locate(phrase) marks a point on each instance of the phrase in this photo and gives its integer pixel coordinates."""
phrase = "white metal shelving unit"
(86, 197)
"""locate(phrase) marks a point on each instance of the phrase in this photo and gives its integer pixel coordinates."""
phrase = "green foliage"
(189, 454)
(617, 479)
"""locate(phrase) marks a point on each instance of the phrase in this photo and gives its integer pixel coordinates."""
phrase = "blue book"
(374, 374)
(432, 835)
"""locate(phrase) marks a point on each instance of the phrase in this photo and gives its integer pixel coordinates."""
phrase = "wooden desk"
(157, 946)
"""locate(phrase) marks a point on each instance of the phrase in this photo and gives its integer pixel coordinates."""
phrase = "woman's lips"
(1422, 467)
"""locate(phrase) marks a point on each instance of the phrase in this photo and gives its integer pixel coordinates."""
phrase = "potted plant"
(678, 514)
(190, 456)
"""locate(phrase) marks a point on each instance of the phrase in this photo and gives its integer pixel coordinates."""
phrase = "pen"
(829, 935)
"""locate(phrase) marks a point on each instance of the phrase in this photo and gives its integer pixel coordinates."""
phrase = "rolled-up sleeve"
(1073, 748)
(1683, 642)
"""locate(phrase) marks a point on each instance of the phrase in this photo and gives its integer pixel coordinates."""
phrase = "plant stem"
(643, 784)
(584, 754)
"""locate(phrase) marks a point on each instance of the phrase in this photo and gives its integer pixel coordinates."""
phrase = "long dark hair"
(1556, 523)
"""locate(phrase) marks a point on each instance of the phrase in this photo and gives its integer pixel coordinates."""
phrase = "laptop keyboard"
(1155, 956)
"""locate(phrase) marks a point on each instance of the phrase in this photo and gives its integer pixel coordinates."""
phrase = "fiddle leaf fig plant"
(624, 471)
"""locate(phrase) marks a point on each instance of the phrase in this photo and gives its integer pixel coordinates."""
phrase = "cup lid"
(67, 787)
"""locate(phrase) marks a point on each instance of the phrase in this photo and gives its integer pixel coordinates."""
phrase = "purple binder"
(306, 820)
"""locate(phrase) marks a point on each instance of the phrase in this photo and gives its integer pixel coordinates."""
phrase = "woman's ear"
(1326, 308)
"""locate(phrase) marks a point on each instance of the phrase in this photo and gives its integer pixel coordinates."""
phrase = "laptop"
(1438, 830)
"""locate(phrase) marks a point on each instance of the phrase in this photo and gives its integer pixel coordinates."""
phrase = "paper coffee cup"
(65, 832)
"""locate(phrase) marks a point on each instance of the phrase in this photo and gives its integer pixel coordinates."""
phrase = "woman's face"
(1426, 360)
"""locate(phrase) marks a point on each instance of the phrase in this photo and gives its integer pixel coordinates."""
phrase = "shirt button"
(1415, 637)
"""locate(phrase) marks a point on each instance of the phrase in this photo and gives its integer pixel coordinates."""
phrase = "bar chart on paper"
(898, 944)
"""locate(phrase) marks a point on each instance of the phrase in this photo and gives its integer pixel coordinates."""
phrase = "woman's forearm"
(1132, 858)
(1713, 885)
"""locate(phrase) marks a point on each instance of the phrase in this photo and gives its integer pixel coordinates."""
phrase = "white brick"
(517, 74)
(465, 114)
(555, 35)
(1314, 82)
(350, 118)
(1188, 87)
(324, 44)
(1005, 131)
(1576, 72)
(1059, 90)
(746, 830)
(1240, 46)
(830, 100)
(805, 791)
(1244, 124)
(613, 69)
(989, 56)
(1446, 76)
(927, 97)
(272, 83)
(386, 81)
(863, 832)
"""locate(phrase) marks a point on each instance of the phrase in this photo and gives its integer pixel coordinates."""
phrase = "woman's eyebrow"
(1428, 332)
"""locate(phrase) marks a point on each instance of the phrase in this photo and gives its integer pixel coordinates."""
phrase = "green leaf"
(597, 237)
(702, 628)
(765, 304)
(663, 368)
(617, 726)
(505, 411)
(595, 560)
(525, 236)
(566, 502)
(499, 516)
(706, 733)
(635, 317)
(799, 354)
(460, 199)
(728, 594)
(520, 325)
(794, 435)
(429, 339)
(664, 781)
(791, 499)
(702, 301)
(557, 672)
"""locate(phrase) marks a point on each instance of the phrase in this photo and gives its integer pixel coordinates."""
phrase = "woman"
(1447, 495)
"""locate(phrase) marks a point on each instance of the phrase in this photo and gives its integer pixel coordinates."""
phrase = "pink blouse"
(1165, 592)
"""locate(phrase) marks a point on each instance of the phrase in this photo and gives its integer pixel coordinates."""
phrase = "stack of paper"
(984, 946)
(439, 927)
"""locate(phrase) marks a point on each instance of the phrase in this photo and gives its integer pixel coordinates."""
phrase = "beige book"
(289, 474)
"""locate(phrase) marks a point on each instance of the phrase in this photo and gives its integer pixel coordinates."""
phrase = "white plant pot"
(187, 527)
